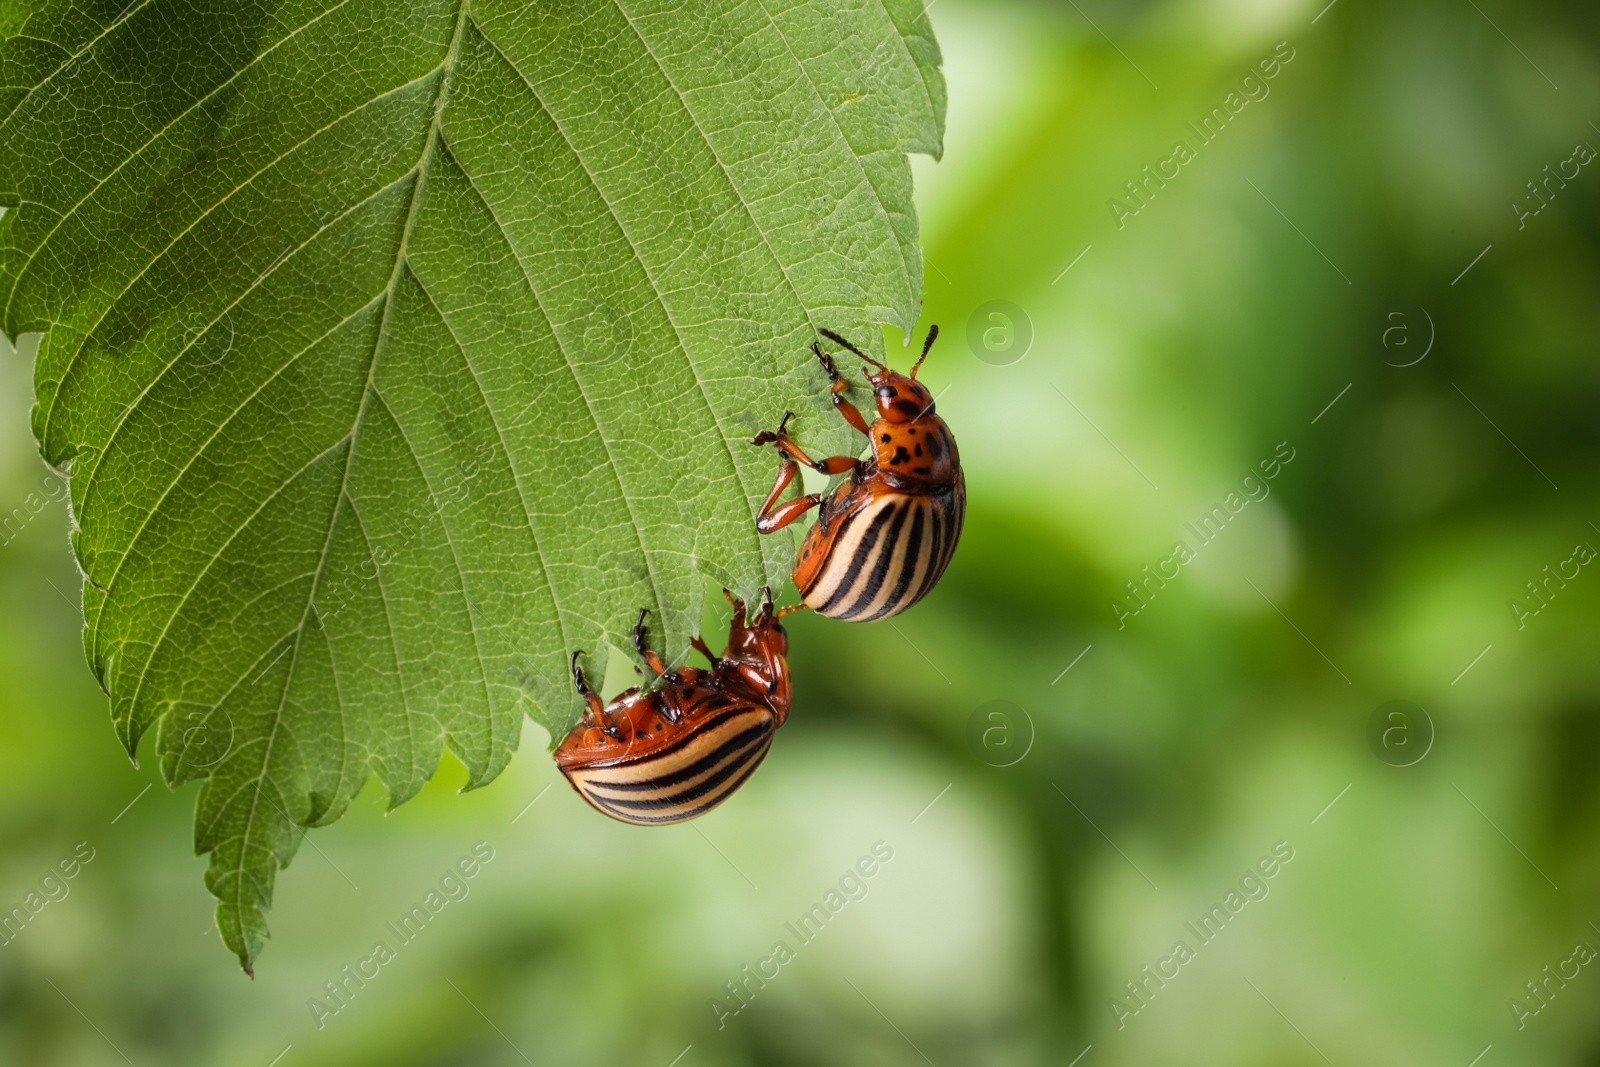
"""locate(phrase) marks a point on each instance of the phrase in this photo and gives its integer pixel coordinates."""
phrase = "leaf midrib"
(111, 305)
(447, 70)
(155, 508)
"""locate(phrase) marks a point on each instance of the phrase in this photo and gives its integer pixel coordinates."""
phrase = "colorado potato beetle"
(886, 534)
(668, 754)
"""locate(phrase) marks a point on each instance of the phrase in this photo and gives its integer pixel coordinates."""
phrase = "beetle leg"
(774, 516)
(766, 437)
(786, 472)
(597, 708)
(836, 389)
(700, 646)
(639, 631)
(787, 447)
(773, 519)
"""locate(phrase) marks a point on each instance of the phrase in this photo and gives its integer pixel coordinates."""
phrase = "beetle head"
(900, 397)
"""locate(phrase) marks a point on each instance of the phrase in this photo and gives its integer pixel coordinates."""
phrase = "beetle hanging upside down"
(665, 755)
(885, 535)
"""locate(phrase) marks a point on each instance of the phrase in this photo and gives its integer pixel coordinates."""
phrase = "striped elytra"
(668, 754)
(878, 553)
(885, 535)
(695, 768)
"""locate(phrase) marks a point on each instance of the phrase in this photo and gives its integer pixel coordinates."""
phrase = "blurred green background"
(1043, 858)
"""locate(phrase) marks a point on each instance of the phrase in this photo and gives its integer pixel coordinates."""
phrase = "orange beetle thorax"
(922, 450)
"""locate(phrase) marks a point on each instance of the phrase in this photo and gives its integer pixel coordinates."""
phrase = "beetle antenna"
(933, 335)
(791, 609)
(830, 335)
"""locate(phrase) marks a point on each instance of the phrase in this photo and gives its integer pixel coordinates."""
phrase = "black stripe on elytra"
(900, 603)
(953, 509)
(681, 816)
(710, 762)
(699, 766)
(908, 567)
(733, 786)
(668, 802)
(737, 761)
(852, 566)
(880, 570)
(720, 714)
(936, 554)
(958, 514)
(954, 506)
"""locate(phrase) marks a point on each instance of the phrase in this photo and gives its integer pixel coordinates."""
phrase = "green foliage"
(398, 350)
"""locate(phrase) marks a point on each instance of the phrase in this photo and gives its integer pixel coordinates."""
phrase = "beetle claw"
(767, 437)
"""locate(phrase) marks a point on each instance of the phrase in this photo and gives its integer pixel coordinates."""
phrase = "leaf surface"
(398, 350)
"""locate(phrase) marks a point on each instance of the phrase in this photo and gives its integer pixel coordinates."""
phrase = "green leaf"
(397, 350)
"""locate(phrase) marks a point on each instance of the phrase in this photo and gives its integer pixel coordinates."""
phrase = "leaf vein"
(445, 69)
(72, 361)
(516, 477)
(16, 281)
(656, 290)
(455, 557)
(74, 57)
(133, 542)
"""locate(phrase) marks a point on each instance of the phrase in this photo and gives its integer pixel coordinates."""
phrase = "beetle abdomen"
(886, 554)
(693, 773)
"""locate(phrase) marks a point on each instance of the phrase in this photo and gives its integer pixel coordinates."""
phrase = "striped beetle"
(668, 754)
(886, 534)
